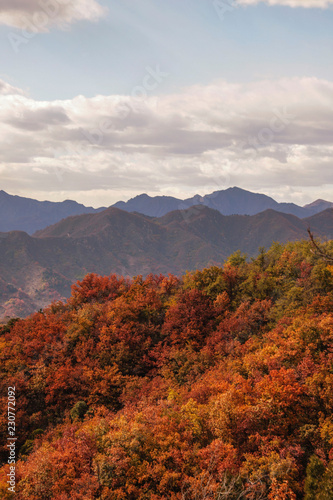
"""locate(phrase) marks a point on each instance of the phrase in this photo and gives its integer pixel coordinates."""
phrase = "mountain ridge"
(18, 213)
(230, 201)
(36, 270)
(29, 215)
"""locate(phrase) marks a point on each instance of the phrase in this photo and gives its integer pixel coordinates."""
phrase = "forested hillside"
(218, 385)
(37, 270)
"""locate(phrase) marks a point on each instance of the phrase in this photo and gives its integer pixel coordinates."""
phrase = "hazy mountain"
(25, 214)
(318, 206)
(35, 270)
(238, 201)
(155, 206)
(228, 202)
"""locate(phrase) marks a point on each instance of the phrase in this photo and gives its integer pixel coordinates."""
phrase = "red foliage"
(155, 388)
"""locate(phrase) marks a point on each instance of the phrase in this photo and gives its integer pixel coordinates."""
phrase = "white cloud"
(321, 4)
(257, 135)
(7, 89)
(38, 16)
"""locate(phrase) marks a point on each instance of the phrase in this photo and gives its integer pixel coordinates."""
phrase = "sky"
(104, 100)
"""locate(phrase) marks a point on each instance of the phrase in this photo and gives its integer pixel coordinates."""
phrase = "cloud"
(38, 119)
(39, 16)
(320, 4)
(7, 89)
(258, 135)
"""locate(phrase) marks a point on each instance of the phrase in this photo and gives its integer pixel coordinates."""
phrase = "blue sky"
(187, 39)
(261, 55)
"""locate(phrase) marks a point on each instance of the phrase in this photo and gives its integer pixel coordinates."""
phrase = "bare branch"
(317, 250)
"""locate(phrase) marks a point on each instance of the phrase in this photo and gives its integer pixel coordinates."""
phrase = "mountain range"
(25, 214)
(231, 201)
(37, 269)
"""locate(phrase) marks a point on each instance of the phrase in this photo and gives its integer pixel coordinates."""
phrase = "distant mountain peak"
(235, 188)
(25, 214)
(233, 200)
(140, 196)
(198, 198)
(319, 202)
(18, 213)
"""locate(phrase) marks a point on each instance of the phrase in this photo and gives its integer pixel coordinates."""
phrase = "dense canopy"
(218, 385)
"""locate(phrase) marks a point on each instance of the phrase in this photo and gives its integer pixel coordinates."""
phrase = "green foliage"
(319, 480)
(8, 326)
(28, 446)
(79, 410)
(237, 259)
(209, 280)
(314, 475)
(325, 490)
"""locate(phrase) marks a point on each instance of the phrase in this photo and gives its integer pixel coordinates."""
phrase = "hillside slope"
(36, 270)
(217, 384)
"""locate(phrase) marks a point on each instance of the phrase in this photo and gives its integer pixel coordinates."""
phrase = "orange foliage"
(157, 388)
